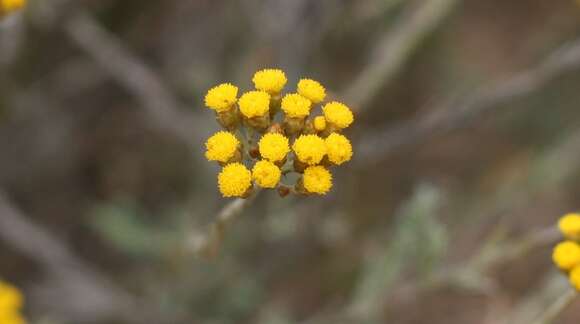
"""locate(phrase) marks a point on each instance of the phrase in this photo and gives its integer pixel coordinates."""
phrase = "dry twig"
(375, 145)
(394, 49)
(557, 307)
(207, 246)
(86, 294)
(129, 70)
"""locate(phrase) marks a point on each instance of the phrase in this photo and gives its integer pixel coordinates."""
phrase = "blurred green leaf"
(121, 226)
(419, 239)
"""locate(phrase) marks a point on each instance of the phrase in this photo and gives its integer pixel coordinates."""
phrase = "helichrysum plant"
(269, 136)
(9, 6)
(11, 302)
(566, 254)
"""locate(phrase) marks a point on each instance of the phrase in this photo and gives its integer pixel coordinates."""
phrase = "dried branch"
(552, 312)
(208, 246)
(138, 78)
(80, 293)
(376, 145)
(394, 49)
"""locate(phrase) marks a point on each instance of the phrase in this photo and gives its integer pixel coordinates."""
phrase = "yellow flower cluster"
(9, 6)
(260, 148)
(11, 302)
(566, 254)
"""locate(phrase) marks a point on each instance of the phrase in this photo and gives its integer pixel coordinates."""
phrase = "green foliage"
(419, 239)
(122, 226)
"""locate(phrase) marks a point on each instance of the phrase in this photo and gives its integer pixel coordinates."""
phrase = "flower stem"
(554, 310)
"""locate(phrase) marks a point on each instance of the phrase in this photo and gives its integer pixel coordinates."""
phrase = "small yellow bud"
(309, 149)
(10, 297)
(254, 104)
(319, 123)
(317, 179)
(312, 90)
(270, 80)
(569, 225)
(11, 317)
(575, 277)
(274, 147)
(338, 148)
(222, 97)
(7, 6)
(296, 106)
(234, 180)
(266, 174)
(338, 114)
(566, 255)
(221, 147)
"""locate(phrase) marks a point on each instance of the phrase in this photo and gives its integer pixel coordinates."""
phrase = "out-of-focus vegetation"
(467, 144)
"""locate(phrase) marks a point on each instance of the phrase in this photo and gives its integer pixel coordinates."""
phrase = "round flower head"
(566, 255)
(11, 317)
(11, 5)
(266, 174)
(319, 123)
(296, 106)
(312, 90)
(221, 147)
(254, 104)
(273, 147)
(575, 278)
(338, 148)
(338, 114)
(317, 179)
(270, 80)
(309, 149)
(222, 97)
(234, 180)
(10, 297)
(569, 225)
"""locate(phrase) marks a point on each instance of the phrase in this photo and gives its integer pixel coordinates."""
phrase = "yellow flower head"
(317, 179)
(569, 225)
(338, 114)
(566, 255)
(221, 146)
(270, 80)
(338, 148)
(11, 5)
(11, 317)
(273, 147)
(575, 278)
(254, 104)
(296, 106)
(309, 149)
(234, 180)
(312, 90)
(319, 123)
(222, 97)
(266, 174)
(10, 297)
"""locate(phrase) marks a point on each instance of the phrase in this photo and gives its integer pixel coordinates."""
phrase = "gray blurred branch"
(375, 145)
(557, 307)
(394, 49)
(75, 290)
(207, 246)
(138, 78)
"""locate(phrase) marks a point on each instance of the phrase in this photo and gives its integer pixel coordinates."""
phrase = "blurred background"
(467, 142)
